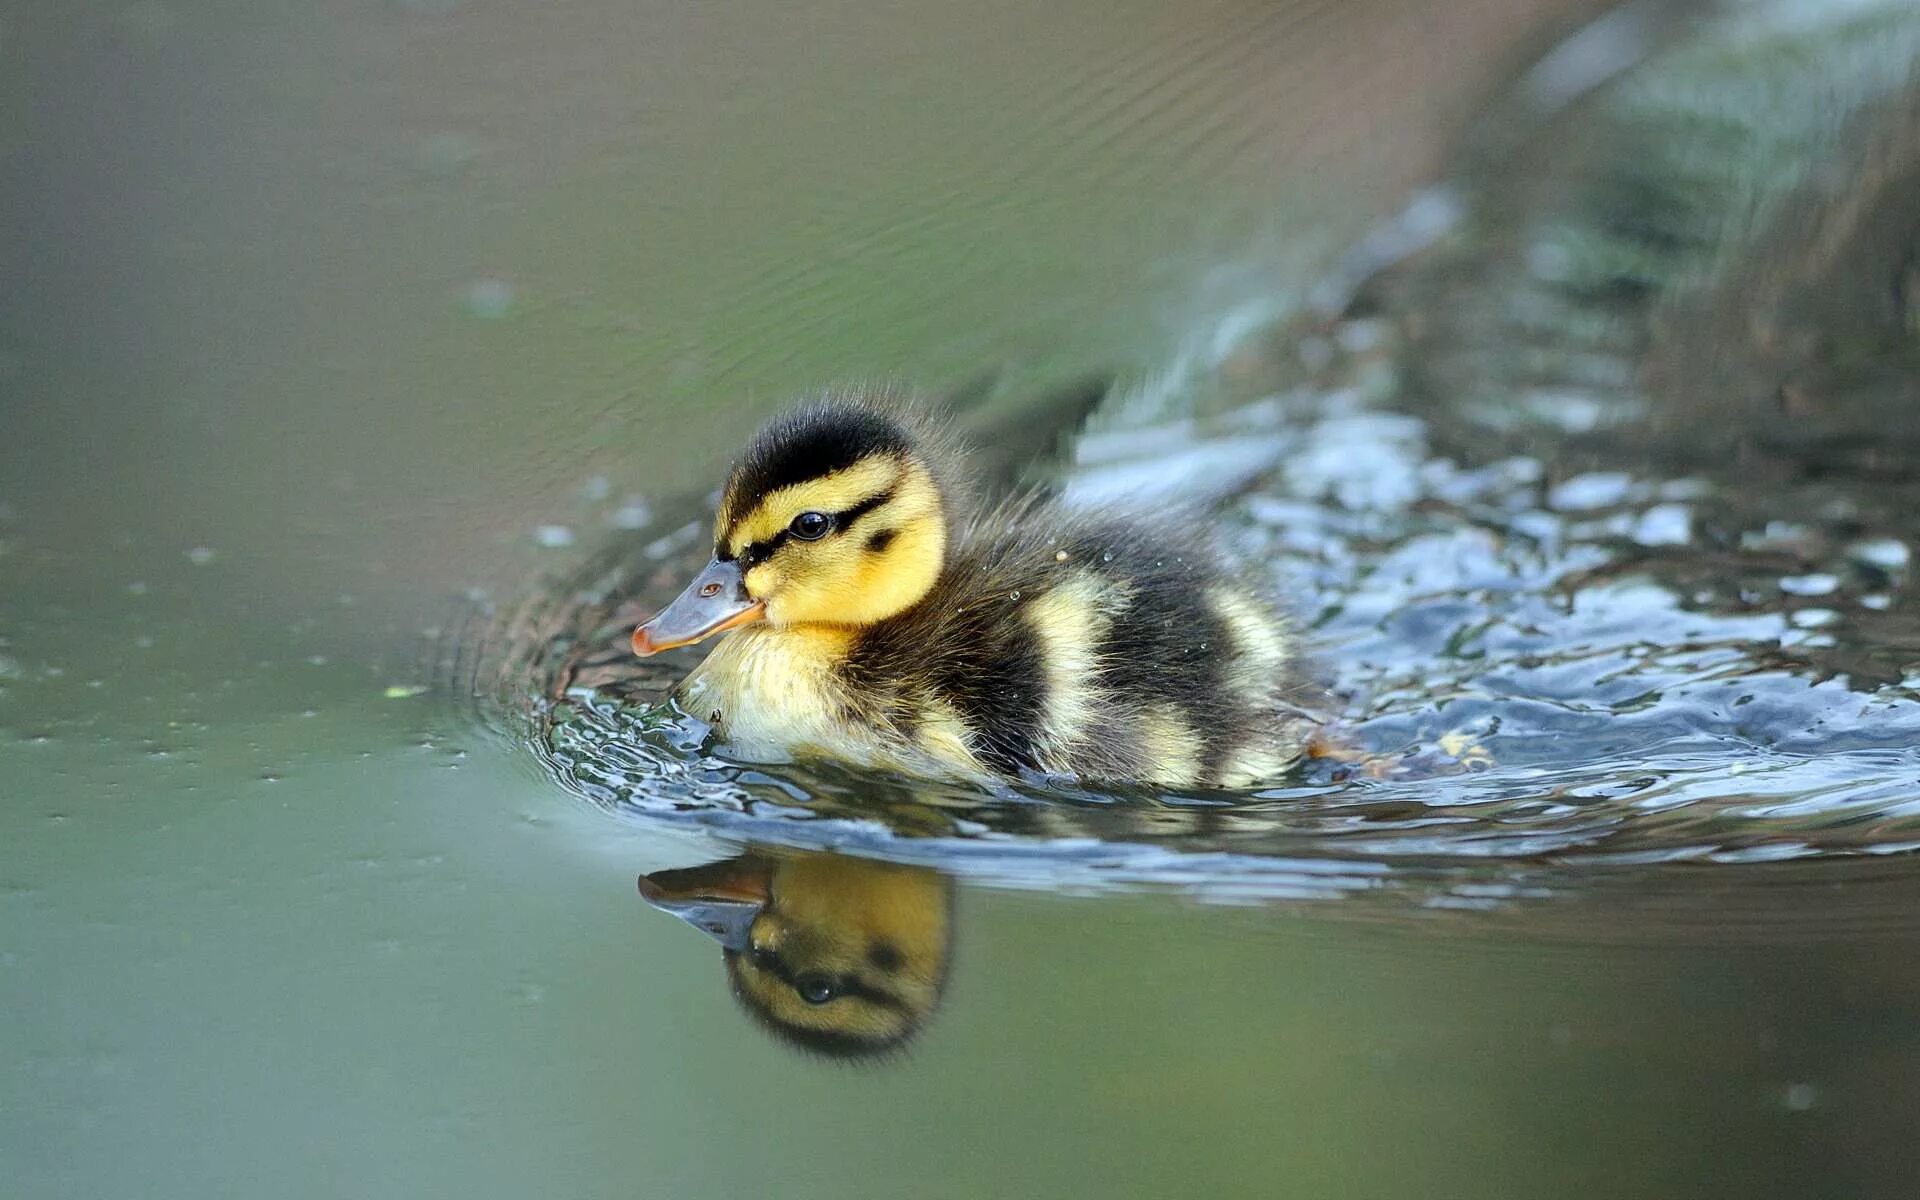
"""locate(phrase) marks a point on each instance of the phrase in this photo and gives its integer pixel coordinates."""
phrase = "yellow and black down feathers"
(872, 615)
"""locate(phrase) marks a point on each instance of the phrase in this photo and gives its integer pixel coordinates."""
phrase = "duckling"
(876, 613)
(841, 956)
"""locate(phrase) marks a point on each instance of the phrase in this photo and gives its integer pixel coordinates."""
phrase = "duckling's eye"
(811, 526)
(815, 989)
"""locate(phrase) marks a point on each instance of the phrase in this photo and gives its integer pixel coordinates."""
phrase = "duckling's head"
(837, 955)
(835, 515)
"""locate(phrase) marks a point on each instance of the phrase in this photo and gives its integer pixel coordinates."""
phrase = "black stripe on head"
(773, 964)
(844, 519)
(807, 443)
(761, 551)
(832, 1043)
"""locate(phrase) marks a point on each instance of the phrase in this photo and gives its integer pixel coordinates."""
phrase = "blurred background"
(360, 358)
(373, 283)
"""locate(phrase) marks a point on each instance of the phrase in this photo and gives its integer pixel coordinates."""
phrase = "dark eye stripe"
(849, 985)
(760, 551)
(844, 519)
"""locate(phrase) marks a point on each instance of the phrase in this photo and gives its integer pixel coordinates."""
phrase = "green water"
(390, 978)
(339, 342)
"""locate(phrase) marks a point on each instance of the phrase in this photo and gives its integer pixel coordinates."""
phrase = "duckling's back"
(1102, 646)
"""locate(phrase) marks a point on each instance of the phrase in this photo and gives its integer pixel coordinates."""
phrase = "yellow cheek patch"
(889, 580)
(762, 580)
(828, 494)
(849, 578)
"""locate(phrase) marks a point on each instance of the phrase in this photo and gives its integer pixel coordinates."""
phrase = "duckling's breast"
(771, 693)
(775, 694)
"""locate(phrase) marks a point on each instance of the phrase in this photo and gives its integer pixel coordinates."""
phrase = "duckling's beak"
(714, 602)
(719, 899)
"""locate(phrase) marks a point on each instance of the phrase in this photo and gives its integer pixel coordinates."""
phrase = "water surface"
(365, 368)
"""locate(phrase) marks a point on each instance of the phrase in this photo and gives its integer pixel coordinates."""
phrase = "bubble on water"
(200, 556)
(1814, 618)
(1596, 489)
(1776, 535)
(1664, 525)
(1358, 337)
(1816, 584)
(1886, 553)
(488, 299)
(1106, 556)
(1013, 596)
(403, 691)
(553, 537)
(1572, 410)
(1540, 526)
(633, 513)
(1315, 353)
(1684, 489)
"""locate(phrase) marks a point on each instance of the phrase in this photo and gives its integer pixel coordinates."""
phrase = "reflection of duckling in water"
(875, 617)
(843, 956)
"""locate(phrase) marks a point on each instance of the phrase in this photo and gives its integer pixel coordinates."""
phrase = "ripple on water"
(1571, 660)
(1626, 705)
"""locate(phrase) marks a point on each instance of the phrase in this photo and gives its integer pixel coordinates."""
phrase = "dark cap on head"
(813, 440)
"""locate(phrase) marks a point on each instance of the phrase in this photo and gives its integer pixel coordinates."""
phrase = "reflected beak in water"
(720, 899)
(714, 602)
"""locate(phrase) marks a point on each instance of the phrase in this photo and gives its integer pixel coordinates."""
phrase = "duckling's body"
(1029, 639)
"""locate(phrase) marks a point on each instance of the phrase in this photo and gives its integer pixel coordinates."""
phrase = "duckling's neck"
(772, 690)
